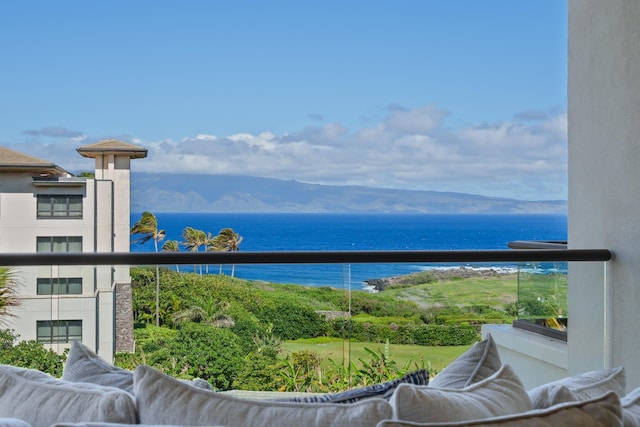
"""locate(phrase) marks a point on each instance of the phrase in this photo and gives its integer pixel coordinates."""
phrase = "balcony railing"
(50, 310)
(543, 298)
(306, 257)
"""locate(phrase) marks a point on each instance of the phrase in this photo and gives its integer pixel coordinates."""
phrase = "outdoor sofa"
(476, 389)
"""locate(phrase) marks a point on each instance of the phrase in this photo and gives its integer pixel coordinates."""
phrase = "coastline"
(437, 273)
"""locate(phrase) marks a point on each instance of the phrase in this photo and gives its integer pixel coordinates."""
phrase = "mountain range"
(157, 192)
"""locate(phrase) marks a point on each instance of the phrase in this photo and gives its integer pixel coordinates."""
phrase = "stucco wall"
(604, 182)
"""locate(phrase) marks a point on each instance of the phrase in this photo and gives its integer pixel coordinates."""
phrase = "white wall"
(537, 359)
(19, 229)
(20, 226)
(604, 182)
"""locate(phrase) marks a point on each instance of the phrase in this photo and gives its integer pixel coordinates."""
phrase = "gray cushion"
(631, 408)
(13, 422)
(108, 425)
(42, 400)
(582, 387)
(604, 411)
(500, 394)
(162, 399)
(479, 362)
(84, 365)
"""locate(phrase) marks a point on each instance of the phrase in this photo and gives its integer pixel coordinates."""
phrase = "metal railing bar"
(304, 257)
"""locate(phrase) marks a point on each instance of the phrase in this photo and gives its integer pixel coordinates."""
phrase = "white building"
(44, 208)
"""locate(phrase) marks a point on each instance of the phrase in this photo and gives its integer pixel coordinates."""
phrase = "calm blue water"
(299, 232)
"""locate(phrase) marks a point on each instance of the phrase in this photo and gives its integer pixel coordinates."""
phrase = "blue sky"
(466, 96)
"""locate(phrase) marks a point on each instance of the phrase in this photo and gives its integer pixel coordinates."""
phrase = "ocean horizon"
(330, 231)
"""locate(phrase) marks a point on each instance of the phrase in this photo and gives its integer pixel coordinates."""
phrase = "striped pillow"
(382, 390)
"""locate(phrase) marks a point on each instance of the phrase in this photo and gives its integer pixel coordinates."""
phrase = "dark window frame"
(55, 326)
(53, 240)
(59, 285)
(53, 200)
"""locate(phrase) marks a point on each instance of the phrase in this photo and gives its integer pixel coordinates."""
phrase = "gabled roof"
(112, 146)
(14, 160)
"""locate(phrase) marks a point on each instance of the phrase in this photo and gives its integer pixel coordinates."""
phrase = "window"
(60, 286)
(60, 206)
(59, 244)
(59, 331)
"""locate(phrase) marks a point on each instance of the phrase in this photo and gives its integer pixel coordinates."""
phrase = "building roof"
(112, 146)
(14, 160)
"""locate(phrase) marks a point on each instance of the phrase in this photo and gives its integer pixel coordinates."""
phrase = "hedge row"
(432, 335)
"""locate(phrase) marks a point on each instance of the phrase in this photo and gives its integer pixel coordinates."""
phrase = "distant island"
(158, 192)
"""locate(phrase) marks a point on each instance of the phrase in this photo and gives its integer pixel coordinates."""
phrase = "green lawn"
(491, 291)
(337, 350)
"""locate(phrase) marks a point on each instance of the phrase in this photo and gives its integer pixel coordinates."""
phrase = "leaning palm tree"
(193, 240)
(172, 246)
(211, 247)
(208, 312)
(227, 241)
(8, 295)
(147, 229)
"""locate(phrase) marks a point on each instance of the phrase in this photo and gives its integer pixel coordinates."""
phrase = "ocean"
(318, 232)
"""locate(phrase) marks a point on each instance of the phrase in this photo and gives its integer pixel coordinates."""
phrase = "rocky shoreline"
(437, 274)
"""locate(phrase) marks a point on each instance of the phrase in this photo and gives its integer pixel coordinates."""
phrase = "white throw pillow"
(13, 422)
(84, 365)
(631, 408)
(604, 411)
(552, 395)
(479, 362)
(162, 399)
(42, 400)
(582, 387)
(109, 425)
(500, 394)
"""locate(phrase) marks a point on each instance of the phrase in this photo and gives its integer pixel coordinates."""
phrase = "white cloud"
(409, 149)
(55, 132)
(418, 121)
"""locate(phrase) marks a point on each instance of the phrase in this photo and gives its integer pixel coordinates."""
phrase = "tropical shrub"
(291, 322)
(259, 372)
(408, 333)
(446, 335)
(29, 354)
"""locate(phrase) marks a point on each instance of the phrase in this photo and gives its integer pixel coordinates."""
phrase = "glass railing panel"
(342, 326)
(296, 327)
(542, 297)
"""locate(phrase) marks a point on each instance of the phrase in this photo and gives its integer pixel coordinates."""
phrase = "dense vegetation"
(230, 331)
(29, 354)
(263, 336)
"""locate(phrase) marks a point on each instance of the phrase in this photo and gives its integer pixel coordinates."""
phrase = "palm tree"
(227, 241)
(211, 247)
(147, 229)
(172, 246)
(8, 297)
(208, 312)
(193, 239)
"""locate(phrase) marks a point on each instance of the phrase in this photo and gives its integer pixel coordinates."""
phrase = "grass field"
(491, 291)
(418, 356)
